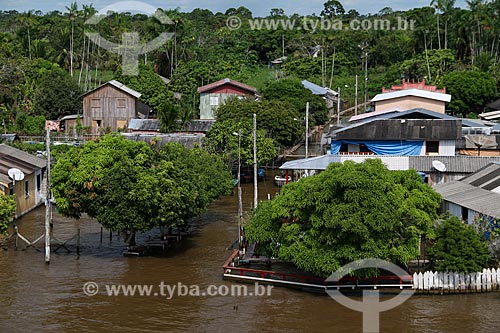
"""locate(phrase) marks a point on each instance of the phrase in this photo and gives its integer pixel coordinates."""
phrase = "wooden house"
(28, 192)
(67, 124)
(111, 107)
(214, 95)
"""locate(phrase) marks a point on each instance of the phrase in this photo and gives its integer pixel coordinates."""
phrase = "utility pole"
(47, 201)
(366, 76)
(356, 98)
(255, 192)
(240, 205)
(307, 129)
(338, 107)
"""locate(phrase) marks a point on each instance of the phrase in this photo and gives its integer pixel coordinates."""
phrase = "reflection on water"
(35, 297)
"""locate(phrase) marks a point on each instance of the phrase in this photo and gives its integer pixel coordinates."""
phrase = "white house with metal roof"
(410, 99)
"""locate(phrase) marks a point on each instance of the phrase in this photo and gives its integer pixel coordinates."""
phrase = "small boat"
(280, 180)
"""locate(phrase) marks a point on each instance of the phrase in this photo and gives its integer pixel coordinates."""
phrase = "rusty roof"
(222, 82)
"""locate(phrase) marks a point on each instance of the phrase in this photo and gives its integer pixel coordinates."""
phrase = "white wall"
(447, 147)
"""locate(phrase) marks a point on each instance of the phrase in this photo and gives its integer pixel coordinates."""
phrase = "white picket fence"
(487, 280)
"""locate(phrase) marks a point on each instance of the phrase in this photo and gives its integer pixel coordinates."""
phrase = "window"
(38, 182)
(214, 100)
(121, 103)
(95, 103)
(121, 124)
(27, 189)
(432, 148)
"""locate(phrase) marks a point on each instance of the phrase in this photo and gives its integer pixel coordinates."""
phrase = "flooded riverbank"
(35, 297)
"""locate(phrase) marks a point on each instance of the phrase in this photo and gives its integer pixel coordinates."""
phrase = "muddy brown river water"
(35, 297)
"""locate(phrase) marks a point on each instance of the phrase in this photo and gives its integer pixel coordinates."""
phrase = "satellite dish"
(439, 166)
(16, 174)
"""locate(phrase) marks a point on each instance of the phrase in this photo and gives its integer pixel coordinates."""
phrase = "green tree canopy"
(348, 212)
(129, 186)
(150, 85)
(57, 95)
(280, 119)
(222, 139)
(458, 248)
(291, 90)
(470, 91)
(7, 211)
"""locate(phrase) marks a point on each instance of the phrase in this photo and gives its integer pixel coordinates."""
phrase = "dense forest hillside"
(48, 62)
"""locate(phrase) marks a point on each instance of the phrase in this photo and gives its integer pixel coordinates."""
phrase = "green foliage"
(458, 248)
(149, 84)
(439, 62)
(31, 125)
(470, 91)
(56, 95)
(7, 211)
(348, 212)
(292, 91)
(167, 114)
(130, 186)
(227, 138)
(279, 119)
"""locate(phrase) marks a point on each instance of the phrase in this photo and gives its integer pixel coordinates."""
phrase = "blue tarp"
(399, 148)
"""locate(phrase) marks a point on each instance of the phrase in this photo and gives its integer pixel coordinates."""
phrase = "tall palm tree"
(72, 14)
(436, 5)
(476, 8)
(443, 7)
(27, 20)
(86, 12)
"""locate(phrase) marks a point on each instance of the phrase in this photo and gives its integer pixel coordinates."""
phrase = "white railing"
(392, 162)
(487, 280)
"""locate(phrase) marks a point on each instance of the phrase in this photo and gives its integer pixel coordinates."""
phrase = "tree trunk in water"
(129, 238)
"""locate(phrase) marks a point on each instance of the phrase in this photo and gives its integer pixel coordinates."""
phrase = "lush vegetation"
(458, 248)
(132, 186)
(48, 62)
(348, 212)
(7, 211)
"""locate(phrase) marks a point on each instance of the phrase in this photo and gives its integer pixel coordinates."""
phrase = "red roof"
(412, 85)
(220, 83)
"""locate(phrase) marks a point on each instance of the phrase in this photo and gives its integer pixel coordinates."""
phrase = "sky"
(258, 7)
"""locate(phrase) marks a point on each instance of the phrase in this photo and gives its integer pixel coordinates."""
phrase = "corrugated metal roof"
(413, 92)
(9, 137)
(150, 125)
(11, 157)
(21, 155)
(187, 140)
(469, 196)
(314, 88)
(454, 164)
(118, 85)
(417, 113)
(487, 178)
(314, 163)
(222, 82)
(70, 117)
(197, 126)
